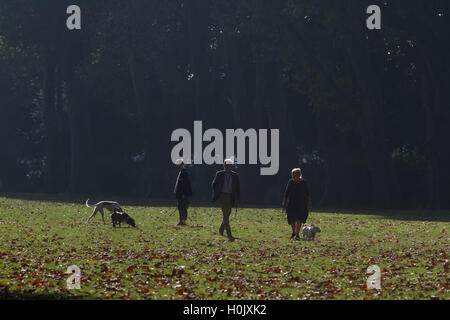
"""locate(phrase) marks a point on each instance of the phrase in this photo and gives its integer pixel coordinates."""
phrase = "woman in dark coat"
(296, 202)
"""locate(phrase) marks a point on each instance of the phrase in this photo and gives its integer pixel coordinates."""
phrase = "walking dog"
(111, 206)
(119, 217)
(309, 233)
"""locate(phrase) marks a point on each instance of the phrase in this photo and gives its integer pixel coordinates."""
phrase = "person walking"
(226, 189)
(183, 191)
(296, 202)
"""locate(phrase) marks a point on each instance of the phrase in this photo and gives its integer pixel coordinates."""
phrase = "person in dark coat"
(226, 189)
(183, 191)
(296, 202)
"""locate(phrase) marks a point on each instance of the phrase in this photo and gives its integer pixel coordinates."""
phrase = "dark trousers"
(183, 205)
(227, 204)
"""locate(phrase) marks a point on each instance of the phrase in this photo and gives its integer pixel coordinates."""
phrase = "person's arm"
(215, 181)
(176, 190)
(181, 192)
(214, 185)
(286, 195)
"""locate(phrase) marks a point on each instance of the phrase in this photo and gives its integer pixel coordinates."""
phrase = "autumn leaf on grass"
(325, 284)
(144, 291)
(180, 292)
(131, 268)
(277, 270)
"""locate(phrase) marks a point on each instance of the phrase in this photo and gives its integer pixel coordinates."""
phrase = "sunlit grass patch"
(39, 240)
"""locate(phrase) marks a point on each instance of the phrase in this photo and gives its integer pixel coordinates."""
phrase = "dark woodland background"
(364, 113)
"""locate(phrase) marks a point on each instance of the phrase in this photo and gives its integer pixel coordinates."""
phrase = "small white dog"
(309, 233)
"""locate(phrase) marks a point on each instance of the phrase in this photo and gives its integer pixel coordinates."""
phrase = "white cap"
(228, 161)
(179, 162)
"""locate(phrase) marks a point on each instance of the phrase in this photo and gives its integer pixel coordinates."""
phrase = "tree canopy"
(363, 112)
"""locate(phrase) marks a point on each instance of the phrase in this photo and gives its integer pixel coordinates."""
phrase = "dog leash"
(173, 212)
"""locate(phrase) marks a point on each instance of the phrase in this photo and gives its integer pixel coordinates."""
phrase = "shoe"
(297, 238)
(292, 236)
(221, 232)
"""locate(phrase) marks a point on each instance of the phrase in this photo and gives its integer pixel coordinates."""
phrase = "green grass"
(39, 240)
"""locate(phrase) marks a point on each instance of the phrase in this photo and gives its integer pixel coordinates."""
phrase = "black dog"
(119, 217)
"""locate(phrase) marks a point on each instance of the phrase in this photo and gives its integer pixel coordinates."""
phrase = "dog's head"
(316, 229)
(131, 222)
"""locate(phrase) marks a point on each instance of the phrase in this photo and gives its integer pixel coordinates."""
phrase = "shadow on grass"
(395, 214)
(81, 199)
(124, 201)
(6, 294)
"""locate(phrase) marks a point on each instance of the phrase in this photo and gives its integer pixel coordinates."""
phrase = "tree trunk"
(239, 91)
(82, 178)
(146, 121)
(52, 172)
(198, 13)
(274, 105)
(432, 43)
(385, 186)
(432, 102)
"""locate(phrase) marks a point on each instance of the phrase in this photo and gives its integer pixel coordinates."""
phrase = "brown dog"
(111, 206)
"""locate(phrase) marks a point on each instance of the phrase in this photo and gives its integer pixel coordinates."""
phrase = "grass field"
(39, 240)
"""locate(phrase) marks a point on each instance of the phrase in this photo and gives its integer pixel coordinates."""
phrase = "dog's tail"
(87, 203)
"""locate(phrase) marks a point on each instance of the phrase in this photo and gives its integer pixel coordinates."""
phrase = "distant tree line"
(364, 113)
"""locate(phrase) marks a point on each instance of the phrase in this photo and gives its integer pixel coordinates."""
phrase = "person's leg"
(185, 210)
(222, 204)
(227, 214)
(226, 221)
(180, 210)
(293, 230)
(298, 226)
(225, 201)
